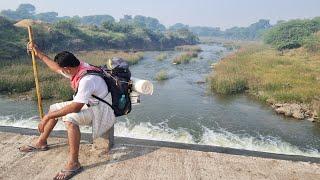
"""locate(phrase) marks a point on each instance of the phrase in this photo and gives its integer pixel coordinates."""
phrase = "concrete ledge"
(152, 143)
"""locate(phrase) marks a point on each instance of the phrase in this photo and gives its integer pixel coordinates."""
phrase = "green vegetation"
(17, 75)
(162, 56)
(294, 34)
(99, 32)
(13, 40)
(102, 57)
(290, 77)
(312, 43)
(192, 48)
(184, 58)
(162, 75)
(191, 51)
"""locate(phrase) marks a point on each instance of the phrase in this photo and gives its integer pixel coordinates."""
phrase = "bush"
(162, 56)
(162, 75)
(184, 58)
(312, 43)
(291, 34)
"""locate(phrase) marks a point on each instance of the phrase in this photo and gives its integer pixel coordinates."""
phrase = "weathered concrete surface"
(143, 162)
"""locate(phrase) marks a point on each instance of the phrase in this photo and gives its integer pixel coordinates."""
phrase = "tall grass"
(101, 57)
(162, 75)
(290, 77)
(184, 58)
(162, 56)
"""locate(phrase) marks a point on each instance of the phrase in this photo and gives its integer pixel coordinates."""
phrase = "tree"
(148, 22)
(49, 17)
(178, 26)
(291, 34)
(24, 11)
(96, 19)
(27, 9)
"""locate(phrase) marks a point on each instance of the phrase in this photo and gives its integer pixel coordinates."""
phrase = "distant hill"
(252, 32)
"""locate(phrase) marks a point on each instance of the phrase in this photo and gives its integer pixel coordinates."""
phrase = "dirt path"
(142, 162)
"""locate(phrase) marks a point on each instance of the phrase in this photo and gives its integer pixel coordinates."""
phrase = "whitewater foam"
(161, 132)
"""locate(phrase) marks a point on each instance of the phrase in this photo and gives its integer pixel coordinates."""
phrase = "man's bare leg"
(74, 136)
(42, 140)
(73, 164)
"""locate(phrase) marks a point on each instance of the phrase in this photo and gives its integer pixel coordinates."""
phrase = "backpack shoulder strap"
(97, 73)
(100, 99)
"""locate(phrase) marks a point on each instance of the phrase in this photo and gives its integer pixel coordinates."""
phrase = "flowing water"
(181, 110)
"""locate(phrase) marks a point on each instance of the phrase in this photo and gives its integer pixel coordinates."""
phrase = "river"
(182, 110)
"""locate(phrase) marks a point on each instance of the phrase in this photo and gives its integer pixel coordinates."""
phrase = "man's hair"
(66, 59)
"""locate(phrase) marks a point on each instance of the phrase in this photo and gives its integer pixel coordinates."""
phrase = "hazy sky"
(217, 13)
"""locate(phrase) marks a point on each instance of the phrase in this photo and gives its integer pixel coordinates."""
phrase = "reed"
(293, 76)
(162, 56)
(184, 58)
(162, 75)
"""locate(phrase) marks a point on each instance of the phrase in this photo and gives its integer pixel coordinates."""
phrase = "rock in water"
(298, 115)
(291, 110)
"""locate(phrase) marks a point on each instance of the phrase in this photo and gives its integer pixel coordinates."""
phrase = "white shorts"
(83, 117)
(99, 115)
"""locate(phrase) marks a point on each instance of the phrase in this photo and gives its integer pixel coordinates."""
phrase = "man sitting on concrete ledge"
(82, 110)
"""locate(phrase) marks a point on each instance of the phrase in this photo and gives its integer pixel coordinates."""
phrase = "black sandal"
(30, 148)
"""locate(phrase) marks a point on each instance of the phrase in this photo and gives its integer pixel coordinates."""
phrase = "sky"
(215, 13)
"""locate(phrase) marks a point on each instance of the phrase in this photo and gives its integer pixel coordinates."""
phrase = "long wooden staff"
(35, 73)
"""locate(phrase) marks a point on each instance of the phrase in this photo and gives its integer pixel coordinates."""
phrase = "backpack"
(117, 76)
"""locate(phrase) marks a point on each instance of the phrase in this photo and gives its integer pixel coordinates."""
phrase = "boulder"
(290, 110)
(271, 101)
(311, 119)
(298, 115)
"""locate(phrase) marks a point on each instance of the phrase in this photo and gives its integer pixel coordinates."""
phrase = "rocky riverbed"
(297, 110)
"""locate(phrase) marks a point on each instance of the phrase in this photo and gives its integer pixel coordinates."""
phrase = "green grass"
(193, 48)
(162, 56)
(101, 57)
(290, 77)
(162, 75)
(184, 58)
(17, 75)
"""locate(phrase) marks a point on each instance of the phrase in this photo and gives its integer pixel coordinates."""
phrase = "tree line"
(252, 32)
(55, 33)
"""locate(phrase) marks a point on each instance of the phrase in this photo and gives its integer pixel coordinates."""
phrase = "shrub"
(312, 43)
(162, 75)
(162, 56)
(291, 34)
(184, 58)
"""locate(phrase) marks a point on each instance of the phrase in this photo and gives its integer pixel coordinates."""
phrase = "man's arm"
(71, 108)
(47, 60)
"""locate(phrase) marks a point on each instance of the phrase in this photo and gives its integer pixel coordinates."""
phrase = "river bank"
(287, 81)
(129, 161)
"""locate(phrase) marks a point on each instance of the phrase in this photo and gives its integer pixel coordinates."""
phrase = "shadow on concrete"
(122, 153)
